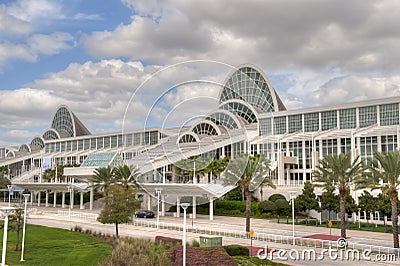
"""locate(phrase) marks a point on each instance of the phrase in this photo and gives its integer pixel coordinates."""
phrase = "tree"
(103, 178)
(383, 172)
(339, 171)
(267, 206)
(127, 176)
(282, 207)
(275, 197)
(16, 223)
(120, 205)
(307, 200)
(329, 201)
(248, 172)
(367, 203)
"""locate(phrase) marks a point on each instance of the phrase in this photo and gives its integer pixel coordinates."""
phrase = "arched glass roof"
(224, 118)
(38, 141)
(187, 138)
(24, 148)
(206, 128)
(51, 134)
(241, 109)
(250, 85)
(63, 121)
(10, 154)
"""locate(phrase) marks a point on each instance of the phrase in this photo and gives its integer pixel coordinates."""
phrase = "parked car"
(144, 214)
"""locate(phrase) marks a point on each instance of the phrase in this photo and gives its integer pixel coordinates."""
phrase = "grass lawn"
(54, 246)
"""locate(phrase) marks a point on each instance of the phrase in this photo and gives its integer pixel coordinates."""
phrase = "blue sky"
(94, 55)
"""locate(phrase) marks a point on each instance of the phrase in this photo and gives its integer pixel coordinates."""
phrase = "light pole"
(158, 193)
(70, 189)
(292, 197)
(26, 197)
(6, 211)
(9, 187)
(359, 218)
(184, 206)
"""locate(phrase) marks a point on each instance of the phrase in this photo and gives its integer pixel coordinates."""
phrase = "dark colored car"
(144, 214)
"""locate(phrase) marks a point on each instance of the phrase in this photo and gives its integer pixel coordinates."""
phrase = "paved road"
(50, 219)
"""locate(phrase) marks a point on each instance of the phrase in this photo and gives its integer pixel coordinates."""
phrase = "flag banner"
(46, 163)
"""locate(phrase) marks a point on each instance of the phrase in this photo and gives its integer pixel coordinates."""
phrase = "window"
(389, 143)
(295, 123)
(311, 122)
(265, 126)
(348, 118)
(368, 116)
(280, 125)
(389, 114)
(328, 120)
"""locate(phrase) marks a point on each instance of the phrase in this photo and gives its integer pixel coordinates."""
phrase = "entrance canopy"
(198, 190)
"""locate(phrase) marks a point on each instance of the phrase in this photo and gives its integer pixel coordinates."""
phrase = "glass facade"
(223, 119)
(311, 122)
(241, 110)
(328, 120)
(265, 125)
(295, 123)
(205, 129)
(62, 122)
(388, 143)
(348, 118)
(367, 116)
(50, 135)
(279, 125)
(368, 145)
(389, 114)
(249, 85)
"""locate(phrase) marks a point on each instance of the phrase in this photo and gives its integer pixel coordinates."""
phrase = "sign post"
(330, 232)
(251, 233)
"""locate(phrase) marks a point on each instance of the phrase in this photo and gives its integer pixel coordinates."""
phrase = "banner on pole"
(46, 163)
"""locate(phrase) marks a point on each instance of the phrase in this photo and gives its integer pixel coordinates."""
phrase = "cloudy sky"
(130, 63)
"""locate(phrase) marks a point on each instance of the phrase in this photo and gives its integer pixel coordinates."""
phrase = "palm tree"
(103, 178)
(248, 172)
(127, 176)
(339, 172)
(383, 172)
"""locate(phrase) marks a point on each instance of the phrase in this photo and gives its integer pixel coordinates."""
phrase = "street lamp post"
(292, 197)
(6, 211)
(26, 197)
(184, 206)
(158, 193)
(9, 187)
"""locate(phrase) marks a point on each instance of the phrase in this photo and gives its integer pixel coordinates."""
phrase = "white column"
(211, 212)
(38, 201)
(55, 199)
(63, 200)
(32, 196)
(194, 207)
(81, 203)
(178, 206)
(47, 199)
(163, 205)
(148, 202)
(71, 198)
(91, 198)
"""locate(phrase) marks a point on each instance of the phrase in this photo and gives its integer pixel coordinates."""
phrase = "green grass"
(254, 261)
(54, 246)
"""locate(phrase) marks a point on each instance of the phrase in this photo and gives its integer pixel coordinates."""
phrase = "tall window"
(368, 116)
(347, 118)
(389, 143)
(389, 114)
(368, 145)
(280, 125)
(265, 126)
(311, 122)
(328, 120)
(295, 123)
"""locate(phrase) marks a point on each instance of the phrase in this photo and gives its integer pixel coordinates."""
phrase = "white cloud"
(32, 11)
(50, 44)
(10, 24)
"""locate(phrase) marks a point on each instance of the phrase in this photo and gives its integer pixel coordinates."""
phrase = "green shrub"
(236, 250)
(195, 243)
(282, 207)
(267, 206)
(275, 197)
